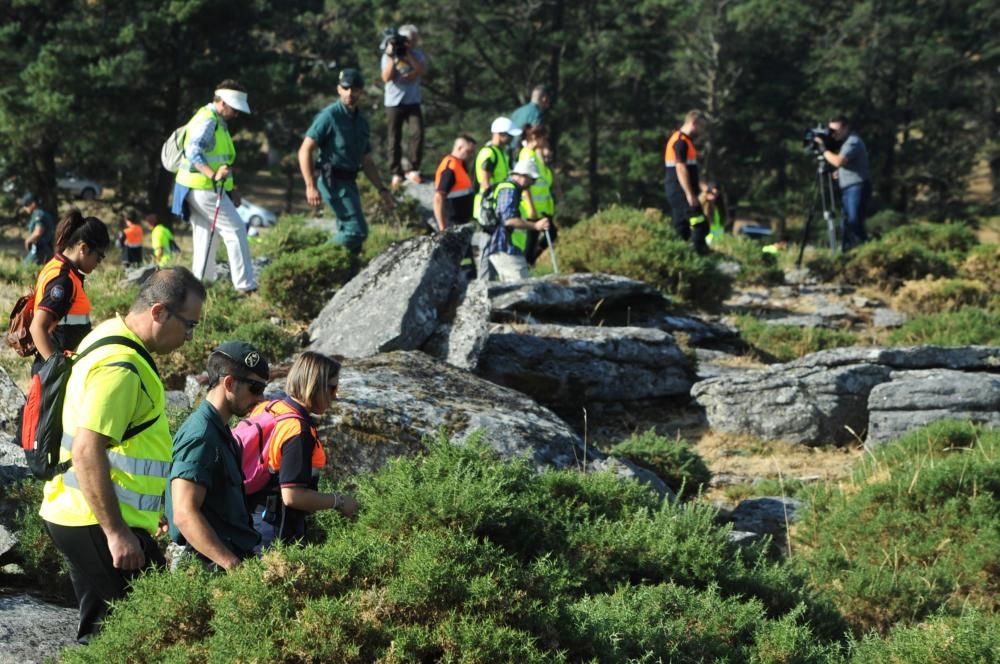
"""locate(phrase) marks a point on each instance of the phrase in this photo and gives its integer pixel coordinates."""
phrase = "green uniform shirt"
(342, 136)
(206, 453)
(44, 245)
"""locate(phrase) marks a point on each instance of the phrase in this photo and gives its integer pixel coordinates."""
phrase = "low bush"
(971, 638)
(671, 459)
(939, 238)
(933, 296)
(756, 267)
(300, 282)
(642, 245)
(917, 530)
(983, 265)
(825, 265)
(458, 556)
(884, 221)
(968, 326)
(292, 233)
(380, 236)
(888, 262)
(784, 343)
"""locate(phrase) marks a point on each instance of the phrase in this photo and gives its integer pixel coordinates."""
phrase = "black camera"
(819, 131)
(398, 42)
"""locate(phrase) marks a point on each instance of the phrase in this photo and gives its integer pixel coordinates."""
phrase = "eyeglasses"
(190, 324)
(256, 387)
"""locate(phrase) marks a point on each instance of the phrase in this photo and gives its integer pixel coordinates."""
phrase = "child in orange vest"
(130, 239)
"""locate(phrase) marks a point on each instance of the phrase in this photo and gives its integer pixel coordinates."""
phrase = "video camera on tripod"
(824, 192)
(823, 133)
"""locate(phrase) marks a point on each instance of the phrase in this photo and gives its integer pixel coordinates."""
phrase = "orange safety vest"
(133, 235)
(463, 183)
(286, 430)
(79, 308)
(670, 155)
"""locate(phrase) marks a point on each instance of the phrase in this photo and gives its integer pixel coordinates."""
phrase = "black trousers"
(414, 117)
(536, 242)
(681, 213)
(95, 579)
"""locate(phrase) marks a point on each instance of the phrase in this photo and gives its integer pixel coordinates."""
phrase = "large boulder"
(826, 397)
(460, 342)
(562, 364)
(396, 301)
(590, 298)
(914, 398)
(11, 403)
(811, 405)
(389, 403)
(32, 631)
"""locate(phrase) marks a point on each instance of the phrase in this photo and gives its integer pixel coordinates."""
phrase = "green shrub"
(292, 233)
(983, 265)
(972, 638)
(458, 556)
(825, 265)
(643, 246)
(109, 293)
(939, 238)
(885, 221)
(916, 530)
(784, 343)
(301, 282)
(888, 262)
(932, 296)
(672, 460)
(380, 236)
(969, 326)
(756, 267)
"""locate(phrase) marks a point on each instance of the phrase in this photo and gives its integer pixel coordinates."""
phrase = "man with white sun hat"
(204, 190)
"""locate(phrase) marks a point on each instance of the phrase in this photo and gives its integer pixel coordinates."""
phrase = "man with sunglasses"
(206, 504)
(341, 133)
(103, 511)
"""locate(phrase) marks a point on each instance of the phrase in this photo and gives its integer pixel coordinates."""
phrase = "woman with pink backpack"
(291, 455)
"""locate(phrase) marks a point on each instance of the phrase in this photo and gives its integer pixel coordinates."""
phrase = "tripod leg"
(817, 199)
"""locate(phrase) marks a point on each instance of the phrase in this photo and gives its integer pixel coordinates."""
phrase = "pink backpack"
(254, 437)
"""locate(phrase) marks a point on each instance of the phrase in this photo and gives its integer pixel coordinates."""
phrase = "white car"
(255, 215)
(79, 187)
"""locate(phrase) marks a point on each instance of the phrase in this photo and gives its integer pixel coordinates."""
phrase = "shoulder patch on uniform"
(57, 292)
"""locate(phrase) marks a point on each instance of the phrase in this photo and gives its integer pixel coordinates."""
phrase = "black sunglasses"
(190, 324)
(256, 387)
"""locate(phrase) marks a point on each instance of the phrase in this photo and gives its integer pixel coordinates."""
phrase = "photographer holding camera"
(853, 174)
(403, 65)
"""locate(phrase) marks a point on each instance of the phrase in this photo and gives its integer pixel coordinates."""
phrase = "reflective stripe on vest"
(222, 152)
(75, 319)
(463, 183)
(59, 264)
(142, 502)
(670, 154)
(130, 465)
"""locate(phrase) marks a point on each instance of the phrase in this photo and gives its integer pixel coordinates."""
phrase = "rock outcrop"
(395, 303)
(32, 631)
(838, 395)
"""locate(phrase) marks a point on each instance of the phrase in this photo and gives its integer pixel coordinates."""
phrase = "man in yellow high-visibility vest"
(103, 510)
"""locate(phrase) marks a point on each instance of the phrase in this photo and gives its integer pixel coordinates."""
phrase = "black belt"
(339, 173)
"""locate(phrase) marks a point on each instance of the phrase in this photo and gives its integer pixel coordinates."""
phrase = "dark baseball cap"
(351, 78)
(246, 356)
(28, 199)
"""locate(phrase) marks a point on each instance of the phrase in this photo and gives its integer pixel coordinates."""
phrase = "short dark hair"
(131, 214)
(840, 119)
(169, 287)
(468, 138)
(75, 228)
(229, 84)
(219, 365)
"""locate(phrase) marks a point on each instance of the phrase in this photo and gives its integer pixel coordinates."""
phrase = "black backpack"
(489, 216)
(41, 429)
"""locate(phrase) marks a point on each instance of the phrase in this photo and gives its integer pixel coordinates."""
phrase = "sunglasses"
(256, 387)
(190, 324)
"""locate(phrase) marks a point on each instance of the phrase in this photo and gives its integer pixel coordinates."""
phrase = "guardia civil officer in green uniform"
(341, 133)
(205, 504)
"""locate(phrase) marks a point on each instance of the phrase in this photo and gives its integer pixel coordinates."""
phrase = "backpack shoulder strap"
(121, 341)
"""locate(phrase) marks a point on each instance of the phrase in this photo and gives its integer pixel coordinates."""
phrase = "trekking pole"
(552, 252)
(211, 233)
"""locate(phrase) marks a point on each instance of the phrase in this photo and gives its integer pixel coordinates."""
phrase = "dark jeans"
(854, 200)
(536, 243)
(397, 115)
(95, 579)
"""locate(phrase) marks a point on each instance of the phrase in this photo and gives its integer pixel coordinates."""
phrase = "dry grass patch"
(933, 296)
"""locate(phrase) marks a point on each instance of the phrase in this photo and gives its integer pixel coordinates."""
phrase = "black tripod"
(825, 199)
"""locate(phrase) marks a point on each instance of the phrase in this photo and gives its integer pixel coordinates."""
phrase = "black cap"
(28, 199)
(351, 78)
(247, 356)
